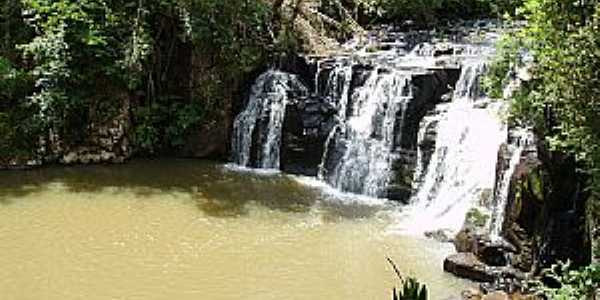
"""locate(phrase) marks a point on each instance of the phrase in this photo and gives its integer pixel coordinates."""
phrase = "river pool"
(187, 229)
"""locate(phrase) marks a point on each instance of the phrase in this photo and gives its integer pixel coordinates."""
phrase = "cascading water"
(356, 129)
(426, 128)
(462, 167)
(338, 87)
(267, 102)
(366, 137)
(522, 138)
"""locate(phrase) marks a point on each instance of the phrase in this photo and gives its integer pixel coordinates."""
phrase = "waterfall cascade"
(462, 168)
(267, 103)
(521, 139)
(387, 124)
(364, 139)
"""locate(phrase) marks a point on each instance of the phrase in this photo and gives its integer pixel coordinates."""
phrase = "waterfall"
(365, 139)
(377, 124)
(338, 87)
(468, 86)
(267, 102)
(426, 127)
(462, 167)
(522, 138)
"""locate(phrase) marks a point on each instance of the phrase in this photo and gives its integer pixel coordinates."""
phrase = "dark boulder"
(492, 253)
(467, 265)
(306, 128)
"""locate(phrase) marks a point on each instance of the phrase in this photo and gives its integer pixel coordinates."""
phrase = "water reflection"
(216, 190)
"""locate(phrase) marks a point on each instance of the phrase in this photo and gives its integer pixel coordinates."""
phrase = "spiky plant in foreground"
(411, 288)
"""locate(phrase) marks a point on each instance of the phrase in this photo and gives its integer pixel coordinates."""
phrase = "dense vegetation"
(572, 284)
(560, 48)
(432, 11)
(429, 13)
(67, 65)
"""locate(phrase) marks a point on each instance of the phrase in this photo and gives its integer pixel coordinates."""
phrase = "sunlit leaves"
(562, 100)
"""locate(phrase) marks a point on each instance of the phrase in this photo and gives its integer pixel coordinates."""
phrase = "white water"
(424, 127)
(462, 168)
(522, 139)
(268, 99)
(359, 151)
(368, 133)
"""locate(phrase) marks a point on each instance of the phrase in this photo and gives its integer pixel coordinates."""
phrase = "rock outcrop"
(545, 213)
(468, 265)
(309, 121)
(544, 223)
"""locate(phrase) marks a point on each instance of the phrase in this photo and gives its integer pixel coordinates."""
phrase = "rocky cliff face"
(309, 120)
(546, 211)
(321, 130)
(544, 222)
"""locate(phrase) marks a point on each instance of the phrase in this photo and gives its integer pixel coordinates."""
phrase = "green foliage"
(431, 12)
(476, 217)
(507, 60)
(71, 64)
(234, 31)
(77, 52)
(562, 100)
(573, 284)
(19, 128)
(163, 127)
(411, 289)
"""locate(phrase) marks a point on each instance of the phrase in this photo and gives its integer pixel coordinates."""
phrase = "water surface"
(185, 229)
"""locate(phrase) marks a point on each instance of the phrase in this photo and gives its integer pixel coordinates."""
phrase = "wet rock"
(467, 265)
(399, 193)
(428, 143)
(466, 240)
(309, 121)
(306, 128)
(545, 213)
(492, 253)
(428, 89)
(440, 235)
(443, 50)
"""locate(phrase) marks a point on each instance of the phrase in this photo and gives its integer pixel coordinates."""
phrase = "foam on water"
(463, 166)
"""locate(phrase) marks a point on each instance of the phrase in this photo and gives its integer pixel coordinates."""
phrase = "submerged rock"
(441, 235)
